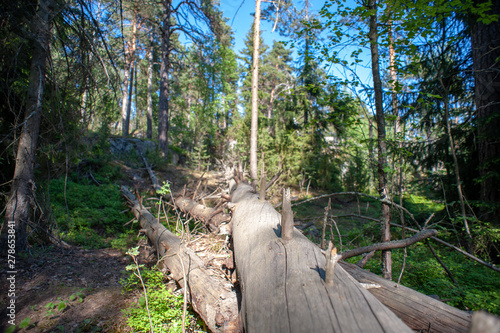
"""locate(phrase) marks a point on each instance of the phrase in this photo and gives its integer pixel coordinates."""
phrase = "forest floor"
(75, 290)
(78, 290)
(72, 290)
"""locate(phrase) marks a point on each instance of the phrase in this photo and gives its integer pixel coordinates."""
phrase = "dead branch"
(397, 244)
(389, 202)
(441, 262)
(154, 180)
(273, 180)
(361, 263)
(211, 217)
(210, 297)
(467, 254)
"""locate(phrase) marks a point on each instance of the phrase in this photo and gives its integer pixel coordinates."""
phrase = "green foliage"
(124, 240)
(478, 289)
(165, 189)
(165, 308)
(420, 206)
(25, 322)
(87, 214)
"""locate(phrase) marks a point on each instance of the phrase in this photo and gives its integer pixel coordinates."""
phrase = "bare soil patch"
(86, 281)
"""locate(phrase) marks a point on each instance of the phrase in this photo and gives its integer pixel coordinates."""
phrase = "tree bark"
(255, 97)
(126, 80)
(163, 117)
(128, 77)
(149, 114)
(283, 281)
(486, 54)
(23, 184)
(213, 299)
(131, 68)
(381, 142)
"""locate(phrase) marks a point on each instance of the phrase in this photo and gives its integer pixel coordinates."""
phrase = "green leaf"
(133, 251)
(62, 306)
(72, 297)
(142, 302)
(433, 96)
(50, 305)
(11, 329)
(25, 322)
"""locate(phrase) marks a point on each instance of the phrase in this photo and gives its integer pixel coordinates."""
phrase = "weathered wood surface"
(211, 217)
(282, 281)
(213, 299)
(417, 310)
(483, 322)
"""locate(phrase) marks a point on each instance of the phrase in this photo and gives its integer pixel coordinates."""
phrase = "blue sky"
(241, 20)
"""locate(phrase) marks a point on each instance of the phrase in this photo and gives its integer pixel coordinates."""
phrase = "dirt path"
(72, 291)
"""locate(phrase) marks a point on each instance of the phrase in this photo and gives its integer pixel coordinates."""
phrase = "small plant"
(164, 308)
(165, 189)
(78, 296)
(23, 324)
(134, 252)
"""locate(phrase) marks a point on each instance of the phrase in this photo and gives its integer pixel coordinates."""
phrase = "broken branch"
(391, 245)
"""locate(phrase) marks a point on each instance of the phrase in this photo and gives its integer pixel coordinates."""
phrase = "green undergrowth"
(91, 215)
(165, 308)
(478, 287)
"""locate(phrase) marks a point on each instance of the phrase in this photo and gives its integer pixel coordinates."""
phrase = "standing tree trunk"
(128, 80)
(397, 121)
(255, 91)
(164, 83)
(18, 206)
(382, 149)
(486, 54)
(125, 99)
(149, 115)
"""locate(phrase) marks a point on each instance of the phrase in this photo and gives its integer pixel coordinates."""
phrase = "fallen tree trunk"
(418, 311)
(211, 298)
(155, 183)
(282, 279)
(211, 217)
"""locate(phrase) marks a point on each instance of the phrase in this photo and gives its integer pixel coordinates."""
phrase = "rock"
(120, 146)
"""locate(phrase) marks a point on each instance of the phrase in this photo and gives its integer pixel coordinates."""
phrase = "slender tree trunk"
(446, 102)
(486, 54)
(129, 85)
(126, 79)
(126, 125)
(149, 115)
(397, 122)
(381, 142)
(23, 184)
(164, 80)
(255, 90)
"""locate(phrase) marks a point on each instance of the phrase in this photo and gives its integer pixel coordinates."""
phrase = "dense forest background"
(422, 132)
